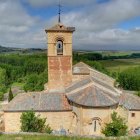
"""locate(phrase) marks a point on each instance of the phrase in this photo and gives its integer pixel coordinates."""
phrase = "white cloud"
(96, 24)
(17, 27)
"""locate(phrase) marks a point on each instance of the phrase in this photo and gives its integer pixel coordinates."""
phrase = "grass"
(47, 137)
(119, 65)
(18, 85)
(118, 53)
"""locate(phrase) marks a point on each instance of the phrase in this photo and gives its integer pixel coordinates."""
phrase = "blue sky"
(130, 24)
(100, 24)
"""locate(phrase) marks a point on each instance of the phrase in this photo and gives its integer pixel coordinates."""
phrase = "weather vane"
(59, 12)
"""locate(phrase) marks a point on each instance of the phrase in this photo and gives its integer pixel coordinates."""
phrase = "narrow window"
(132, 114)
(95, 126)
(59, 46)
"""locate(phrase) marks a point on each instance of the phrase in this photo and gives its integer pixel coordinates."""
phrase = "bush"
(48, 129)
(117, 127)
(32, 123)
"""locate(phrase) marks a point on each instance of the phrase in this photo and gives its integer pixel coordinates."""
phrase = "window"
(59, 46)
(95, 126)
(132, 114)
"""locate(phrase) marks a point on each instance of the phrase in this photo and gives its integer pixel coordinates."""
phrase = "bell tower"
(59, 56)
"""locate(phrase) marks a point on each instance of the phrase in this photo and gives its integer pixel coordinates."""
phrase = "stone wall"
(78, 77)
(81, 122)
(59, 72)
(96, 116)
(52, 38)
(1, 121)
(86, 118)
(56, 120)
(59, 66)
(133, 121)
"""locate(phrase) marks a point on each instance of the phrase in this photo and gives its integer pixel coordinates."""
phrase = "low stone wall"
(56, 120)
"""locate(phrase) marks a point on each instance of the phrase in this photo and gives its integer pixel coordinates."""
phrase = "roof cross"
(59, 12)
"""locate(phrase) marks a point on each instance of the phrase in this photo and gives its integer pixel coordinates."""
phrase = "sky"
(100, 24)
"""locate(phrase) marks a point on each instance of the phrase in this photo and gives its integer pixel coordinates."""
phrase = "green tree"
(10, 96)
(2, 83)
(129, 79)
(31, 83)
(36, 82)
(32, 123)
(117, 127)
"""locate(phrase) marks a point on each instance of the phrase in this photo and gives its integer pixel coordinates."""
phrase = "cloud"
(17, 27)
(96, 23)
(44, 3)
(98, 26)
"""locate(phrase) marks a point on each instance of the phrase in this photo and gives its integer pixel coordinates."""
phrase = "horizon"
(100, 24)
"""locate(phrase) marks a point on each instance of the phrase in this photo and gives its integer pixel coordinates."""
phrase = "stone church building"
(76, 98)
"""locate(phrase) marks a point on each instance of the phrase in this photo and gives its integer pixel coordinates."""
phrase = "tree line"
(31, 70)
(23, 69)
(99, 56)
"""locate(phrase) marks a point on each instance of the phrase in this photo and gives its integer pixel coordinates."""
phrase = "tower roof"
(60, 28)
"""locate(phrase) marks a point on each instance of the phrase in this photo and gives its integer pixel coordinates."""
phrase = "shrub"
(48, 129)
(32, 123)
(117, 127)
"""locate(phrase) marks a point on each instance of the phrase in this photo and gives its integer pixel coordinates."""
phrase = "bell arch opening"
(59, 47)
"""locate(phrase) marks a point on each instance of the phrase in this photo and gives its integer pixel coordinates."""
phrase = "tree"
(10, 96)
(129, 79)
(117, 127)
(36, 82)
(2, 83)
(31, 82)
(32, 123)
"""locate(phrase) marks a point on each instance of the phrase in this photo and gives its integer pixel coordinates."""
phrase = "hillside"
(6, 49)
(19, 50)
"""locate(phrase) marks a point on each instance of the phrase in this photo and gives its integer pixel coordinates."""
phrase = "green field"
(119, 65)
(45, 137)
(118, 53)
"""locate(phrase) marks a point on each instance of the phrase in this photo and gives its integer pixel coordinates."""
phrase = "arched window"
(59, 46)
(95, 125)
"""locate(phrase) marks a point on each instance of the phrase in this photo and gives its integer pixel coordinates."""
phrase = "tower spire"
(59, 12)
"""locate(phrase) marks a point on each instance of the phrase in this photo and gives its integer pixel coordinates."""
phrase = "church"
(77, 97)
